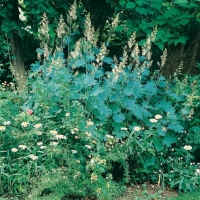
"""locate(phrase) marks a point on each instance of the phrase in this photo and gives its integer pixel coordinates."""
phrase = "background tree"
(177, 23)
(19, 28)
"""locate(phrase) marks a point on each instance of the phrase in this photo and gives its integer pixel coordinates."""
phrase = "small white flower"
(164, 129)
(38, 133)
(67, 114)
(33, 157)
(39, 143)
(88, 134)
(92, 161)
(158, 117)
(53, 132)
(2, 128)
(136, 128)
(88, 146)
(22, 146)
(38, 126)
(24, 124)
(53, 143)
(72, 132)
(153, 120)
(74, 151)
(109, 136)
(76, 137)
(43, 147)
(76, 129)
(6, 123)
(94, 177)
(124, 129)
(60, 137)
(14, 150)
(187, 147)
(197, 173)
(89, 122)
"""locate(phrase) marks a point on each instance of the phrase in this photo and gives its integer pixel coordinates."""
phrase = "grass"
(194, 195)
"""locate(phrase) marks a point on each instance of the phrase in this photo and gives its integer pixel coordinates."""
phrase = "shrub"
(75, 122)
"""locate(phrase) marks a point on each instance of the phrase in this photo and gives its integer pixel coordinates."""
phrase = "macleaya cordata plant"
(78, 124)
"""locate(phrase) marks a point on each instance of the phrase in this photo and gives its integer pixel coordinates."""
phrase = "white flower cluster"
(187, 147)
(22, 146)
(157, 117)
(33, 157)
(89, 122)
(136, 128)
(6, 123)
(37, 126)
(2, 128)
(60, 137)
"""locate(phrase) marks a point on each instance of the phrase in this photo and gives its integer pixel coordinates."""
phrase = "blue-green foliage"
(127, 115)
(126, 99)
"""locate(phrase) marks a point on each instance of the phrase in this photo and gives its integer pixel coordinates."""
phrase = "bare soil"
(149, 192)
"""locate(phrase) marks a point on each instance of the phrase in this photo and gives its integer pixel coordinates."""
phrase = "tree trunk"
(18, 68)
(189, 56)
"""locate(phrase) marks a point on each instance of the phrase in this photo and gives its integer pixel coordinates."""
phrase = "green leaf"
(158, 144)
(141, 2)
(54, 110)
(160, 131)
(141, 10)
(98, 73)
(184, 21)
(115, 108)
(156, 5)
(162, 84)
(97, 90)
(104, 110)
(170, 13)
(130, 5)
(149, 162)
(191, 5)
(128, 91)
(129, 103)
(35, 67)
(181, 1)
(122, 2)
(160, 45)
(176, 41)
(89, 81)
(118, 117)
(120, 134)
(176, 127)
(182, 39)
(108, 60)
(80, 63)
(52, 33)
(185, 111)
(119, 28)
(27, 2)
(169, 139)
(143, 26)
(198, 20)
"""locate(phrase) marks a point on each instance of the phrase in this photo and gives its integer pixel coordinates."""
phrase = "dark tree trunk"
(189, 56)
(18, 68)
